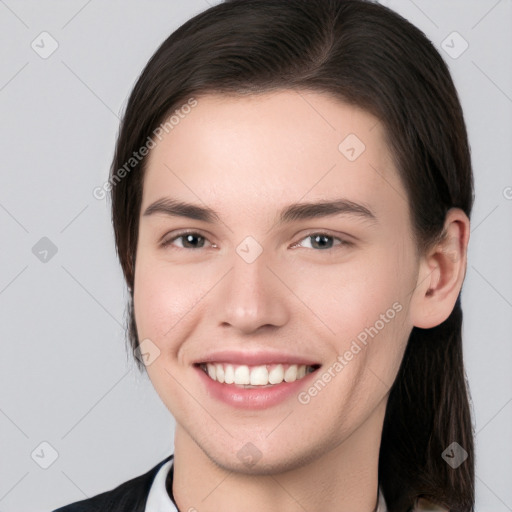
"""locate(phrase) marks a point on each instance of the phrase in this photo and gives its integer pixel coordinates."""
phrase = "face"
(310, 304)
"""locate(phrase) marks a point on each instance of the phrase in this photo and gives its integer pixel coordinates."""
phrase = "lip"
(256, 358)
(253, 398)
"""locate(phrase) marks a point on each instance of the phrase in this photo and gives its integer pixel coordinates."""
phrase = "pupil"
(189, 239)
(323, 241)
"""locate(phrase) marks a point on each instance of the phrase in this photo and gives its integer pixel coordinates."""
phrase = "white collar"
(159, 501)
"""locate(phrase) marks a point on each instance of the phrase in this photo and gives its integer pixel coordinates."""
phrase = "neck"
(344, 478)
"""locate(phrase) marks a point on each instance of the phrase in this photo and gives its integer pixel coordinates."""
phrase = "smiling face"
(259, 289)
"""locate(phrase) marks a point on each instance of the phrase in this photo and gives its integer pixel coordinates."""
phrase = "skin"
(247, 158)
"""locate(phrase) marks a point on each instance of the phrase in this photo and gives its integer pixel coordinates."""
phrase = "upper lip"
(255, 358)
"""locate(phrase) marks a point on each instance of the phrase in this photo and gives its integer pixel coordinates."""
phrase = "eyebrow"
(291, 213)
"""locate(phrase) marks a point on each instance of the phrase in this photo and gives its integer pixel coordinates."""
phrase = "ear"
(441, 273)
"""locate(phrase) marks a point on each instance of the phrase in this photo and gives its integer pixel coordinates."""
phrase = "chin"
(249, 460)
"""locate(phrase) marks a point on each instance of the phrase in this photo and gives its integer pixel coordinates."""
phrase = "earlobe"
(441, 273)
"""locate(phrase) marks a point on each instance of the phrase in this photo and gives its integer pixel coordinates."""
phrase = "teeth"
(229, 374)
(276, 375)
(290, 375)
(259, 376)
(219, 371)
(263, 375)
(242, 375)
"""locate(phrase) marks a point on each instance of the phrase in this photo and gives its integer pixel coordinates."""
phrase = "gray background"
(65, 378)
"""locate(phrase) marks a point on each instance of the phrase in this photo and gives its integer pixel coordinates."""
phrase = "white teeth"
(242, 375)
(276, 375)
(262, 375)
(290, 375)
(229, 374)
(219, 370)
(259, 376)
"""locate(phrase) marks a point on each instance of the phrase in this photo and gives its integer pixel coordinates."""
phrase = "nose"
(251, 298)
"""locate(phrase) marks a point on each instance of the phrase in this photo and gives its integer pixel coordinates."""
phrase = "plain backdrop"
(76, 417)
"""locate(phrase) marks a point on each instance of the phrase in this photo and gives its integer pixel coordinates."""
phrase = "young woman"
(291, 194)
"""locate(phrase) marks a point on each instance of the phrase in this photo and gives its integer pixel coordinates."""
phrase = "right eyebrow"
(174, 208)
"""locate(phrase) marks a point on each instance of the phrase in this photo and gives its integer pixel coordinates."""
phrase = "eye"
(190, 240)
(194, 240)
(324, 241)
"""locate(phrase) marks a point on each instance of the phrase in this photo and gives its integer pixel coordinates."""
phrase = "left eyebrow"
(307, 211)
(291, 213)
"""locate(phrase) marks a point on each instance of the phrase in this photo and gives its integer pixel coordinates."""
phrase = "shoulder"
(129, 496)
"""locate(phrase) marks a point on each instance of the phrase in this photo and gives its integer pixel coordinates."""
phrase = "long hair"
(366, 55)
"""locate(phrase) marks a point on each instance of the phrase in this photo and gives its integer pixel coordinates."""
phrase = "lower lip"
(253, 398)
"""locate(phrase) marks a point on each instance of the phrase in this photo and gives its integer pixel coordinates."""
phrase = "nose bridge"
(251, 296)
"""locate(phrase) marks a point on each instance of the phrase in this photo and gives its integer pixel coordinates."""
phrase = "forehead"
(273, 148)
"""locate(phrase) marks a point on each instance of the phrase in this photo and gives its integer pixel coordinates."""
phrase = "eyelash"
(343, 243)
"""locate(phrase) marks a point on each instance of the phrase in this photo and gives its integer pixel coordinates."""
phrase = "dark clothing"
(130, 496)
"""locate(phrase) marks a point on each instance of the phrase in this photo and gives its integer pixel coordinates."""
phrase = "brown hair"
(367, 55)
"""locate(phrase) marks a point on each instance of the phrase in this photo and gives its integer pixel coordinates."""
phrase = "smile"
(256, 376)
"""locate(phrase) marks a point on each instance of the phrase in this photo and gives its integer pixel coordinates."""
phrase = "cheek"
(363, 308)
(382, 328)
(351, 296)
(161, 298)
